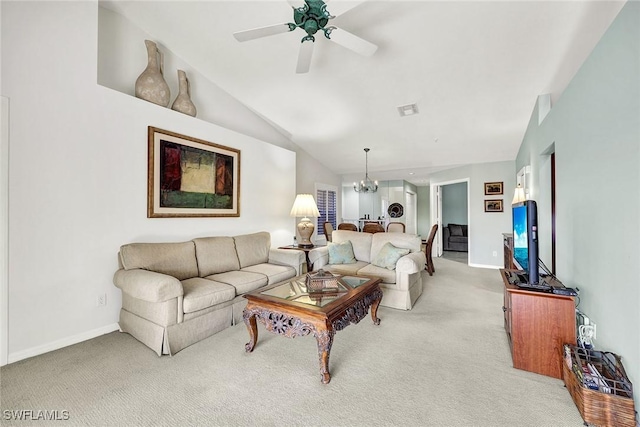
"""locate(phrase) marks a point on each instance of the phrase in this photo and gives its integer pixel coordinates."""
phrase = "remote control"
(564, 291)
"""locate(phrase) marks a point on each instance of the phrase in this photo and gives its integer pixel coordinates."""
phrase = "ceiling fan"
(312, 16)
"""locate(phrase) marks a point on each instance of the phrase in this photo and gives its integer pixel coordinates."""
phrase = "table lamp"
(518, 195)
(305, 206)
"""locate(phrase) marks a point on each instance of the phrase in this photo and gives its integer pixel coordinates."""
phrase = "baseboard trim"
(65, 342)
(494, 267)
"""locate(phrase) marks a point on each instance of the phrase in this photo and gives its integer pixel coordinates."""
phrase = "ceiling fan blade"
(338, 7)
(353, 42)
(256, 33)
(304, 57)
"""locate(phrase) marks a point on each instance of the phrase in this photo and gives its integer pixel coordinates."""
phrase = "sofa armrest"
(411, 263)
(292, 258)
(148, 285)
(408, 267)
(319, 257)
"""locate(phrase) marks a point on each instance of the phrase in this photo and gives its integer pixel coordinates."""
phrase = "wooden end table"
(289, 309)
(306, 252)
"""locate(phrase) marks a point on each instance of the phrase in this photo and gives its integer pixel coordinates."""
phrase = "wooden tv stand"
(537, 325)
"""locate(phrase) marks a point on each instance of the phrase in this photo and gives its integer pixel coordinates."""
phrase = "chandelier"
(366, 186)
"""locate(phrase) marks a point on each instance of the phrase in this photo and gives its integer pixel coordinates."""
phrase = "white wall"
(595, 131)
(485, 228)
(424, 210)
(122, 56)
(78, 176)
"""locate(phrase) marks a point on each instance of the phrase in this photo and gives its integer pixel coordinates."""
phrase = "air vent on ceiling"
(408, 110)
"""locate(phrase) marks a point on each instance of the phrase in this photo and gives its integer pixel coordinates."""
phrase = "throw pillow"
(389, 256)
(455, 230)
(341, 253)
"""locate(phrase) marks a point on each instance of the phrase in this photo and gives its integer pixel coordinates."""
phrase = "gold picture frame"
(190, 177)
(493, 205)
(493, 188)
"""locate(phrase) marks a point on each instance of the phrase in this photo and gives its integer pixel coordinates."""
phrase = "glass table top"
(296, 290)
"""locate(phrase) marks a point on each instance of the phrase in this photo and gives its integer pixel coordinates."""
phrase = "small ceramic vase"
(151, 85)
(183, 102)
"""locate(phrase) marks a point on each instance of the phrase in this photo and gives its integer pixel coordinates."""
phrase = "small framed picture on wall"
(493, 205)
(493, 188)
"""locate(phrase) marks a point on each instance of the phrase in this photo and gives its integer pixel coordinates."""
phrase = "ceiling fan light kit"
(311, 17)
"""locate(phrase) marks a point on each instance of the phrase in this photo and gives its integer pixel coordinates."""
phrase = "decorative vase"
(183, 102)
(151, 85)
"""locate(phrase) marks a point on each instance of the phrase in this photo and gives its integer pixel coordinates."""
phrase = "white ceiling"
(475, 69)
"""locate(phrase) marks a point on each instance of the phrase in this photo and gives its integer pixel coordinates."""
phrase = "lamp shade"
(304, 206)
(518, 195)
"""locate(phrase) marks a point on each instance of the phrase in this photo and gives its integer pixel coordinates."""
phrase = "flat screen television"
(525, 238)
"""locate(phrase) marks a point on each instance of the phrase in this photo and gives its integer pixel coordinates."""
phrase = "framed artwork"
(189, 177)
(493, 205)
(493, 188)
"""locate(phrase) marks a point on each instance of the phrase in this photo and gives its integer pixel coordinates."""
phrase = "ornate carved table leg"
(374, 306)
(249, 317)
(324, 337)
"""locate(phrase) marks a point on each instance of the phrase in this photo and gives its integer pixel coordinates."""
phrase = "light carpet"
(444, 363)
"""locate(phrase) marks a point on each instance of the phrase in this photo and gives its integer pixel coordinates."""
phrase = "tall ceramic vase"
(151, 85)
(183, 102)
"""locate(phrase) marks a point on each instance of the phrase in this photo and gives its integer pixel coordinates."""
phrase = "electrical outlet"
(495, 253)
(101, 301)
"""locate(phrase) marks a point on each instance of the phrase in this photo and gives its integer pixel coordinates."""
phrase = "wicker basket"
(322, 281)
(613, 409)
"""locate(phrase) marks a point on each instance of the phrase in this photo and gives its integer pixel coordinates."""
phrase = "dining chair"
(347, 226)
(372, 227)
(429, 248)
(328, 229)
(395, 227)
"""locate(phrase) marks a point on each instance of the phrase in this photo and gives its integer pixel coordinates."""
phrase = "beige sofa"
(401, 286)
(176, 294)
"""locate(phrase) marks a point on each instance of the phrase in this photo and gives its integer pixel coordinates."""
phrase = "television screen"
(525, 238)
(520, 242)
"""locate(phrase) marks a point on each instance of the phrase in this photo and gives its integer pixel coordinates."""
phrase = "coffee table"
(289, 309)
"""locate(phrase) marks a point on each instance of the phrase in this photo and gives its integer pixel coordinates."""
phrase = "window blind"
(326, 200)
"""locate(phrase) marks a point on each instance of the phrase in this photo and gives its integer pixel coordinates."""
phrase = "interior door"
(437, 218)
(4, 223)
(412, 213)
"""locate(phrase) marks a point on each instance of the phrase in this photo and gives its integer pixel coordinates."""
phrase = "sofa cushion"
(242, 281)
(346, 269)
(458, 239)
(174, 259)
(202, 293)
(216, 255)
(253, 248)
(275, 273)
(387, 276)
(361, 242)
(455, 230)
(389, 256)
(341, 253)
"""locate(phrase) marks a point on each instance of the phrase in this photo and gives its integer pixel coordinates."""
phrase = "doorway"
(450, 202)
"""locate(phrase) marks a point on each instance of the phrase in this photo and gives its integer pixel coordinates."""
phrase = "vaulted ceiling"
(474, 69)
